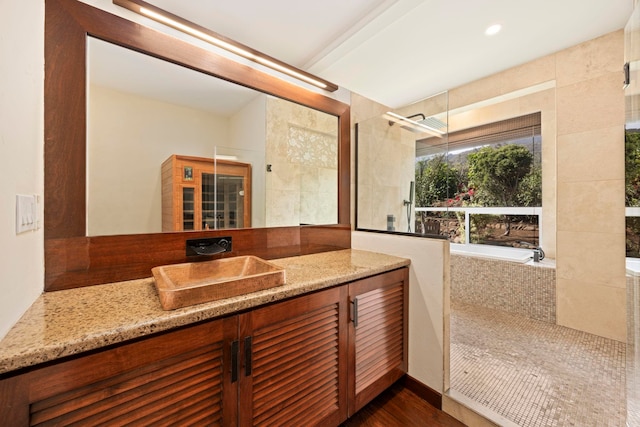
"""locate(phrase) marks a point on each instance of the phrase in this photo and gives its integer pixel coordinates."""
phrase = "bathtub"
(503, 279)
(633, 266)
(494, 252)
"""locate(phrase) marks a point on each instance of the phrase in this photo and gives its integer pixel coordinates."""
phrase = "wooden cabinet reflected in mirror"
(205, 194)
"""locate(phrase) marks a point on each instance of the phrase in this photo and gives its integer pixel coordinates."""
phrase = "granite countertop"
(64, 323)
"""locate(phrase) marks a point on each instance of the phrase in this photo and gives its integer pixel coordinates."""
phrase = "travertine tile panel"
(363, 108)
(544, 101)
(434, 105)
(482, 115)
(591, 59)
(286, 210)
(549, 180)
(529, 74)
(633, 352)
(591, 104)
(478, 90)
(591, 206)
(596, 309)
(594, 258)
(591, 155)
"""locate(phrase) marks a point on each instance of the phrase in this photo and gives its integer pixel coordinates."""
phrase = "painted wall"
(129, 138)
(21, 151)
(247, 136)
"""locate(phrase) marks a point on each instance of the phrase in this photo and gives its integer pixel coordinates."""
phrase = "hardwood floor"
(400, 407)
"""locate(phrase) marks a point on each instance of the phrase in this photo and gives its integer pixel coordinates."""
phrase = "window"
(482, 185)
(632, 190)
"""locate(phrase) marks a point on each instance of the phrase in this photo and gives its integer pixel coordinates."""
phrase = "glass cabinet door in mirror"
(141, 111)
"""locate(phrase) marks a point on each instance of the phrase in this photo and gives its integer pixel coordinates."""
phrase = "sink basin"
(182, 285)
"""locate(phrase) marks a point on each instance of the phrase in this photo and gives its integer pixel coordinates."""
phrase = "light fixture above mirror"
(195, 30)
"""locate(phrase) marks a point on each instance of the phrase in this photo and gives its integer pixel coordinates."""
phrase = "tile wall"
(516, 288)
(302, 150)
(633, 350)
(579, 92)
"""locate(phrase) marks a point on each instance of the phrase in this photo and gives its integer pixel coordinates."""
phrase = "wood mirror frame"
(71, 258)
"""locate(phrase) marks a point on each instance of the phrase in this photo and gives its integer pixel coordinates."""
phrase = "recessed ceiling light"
(493, 29)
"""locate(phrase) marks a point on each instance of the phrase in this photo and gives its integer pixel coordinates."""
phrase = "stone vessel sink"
(182, 285)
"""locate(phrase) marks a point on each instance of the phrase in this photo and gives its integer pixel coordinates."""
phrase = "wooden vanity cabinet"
(162, 380)
(378, 335)
(205, 194)
(302, 361)
(297, 373)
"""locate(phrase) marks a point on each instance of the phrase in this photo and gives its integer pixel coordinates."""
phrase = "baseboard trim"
(423, 391)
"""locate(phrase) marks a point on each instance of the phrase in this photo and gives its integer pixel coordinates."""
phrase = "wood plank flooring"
(399, 407)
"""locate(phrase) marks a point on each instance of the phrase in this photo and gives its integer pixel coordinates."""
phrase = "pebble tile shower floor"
(536, 373)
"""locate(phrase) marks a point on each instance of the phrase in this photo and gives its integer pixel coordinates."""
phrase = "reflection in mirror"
(302, 165)
(389, 151)
(142, 111)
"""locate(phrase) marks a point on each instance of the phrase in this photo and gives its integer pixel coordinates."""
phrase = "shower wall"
(302, 149)
(579, 93)
(386, 167)
(590, 189)
(633, 350)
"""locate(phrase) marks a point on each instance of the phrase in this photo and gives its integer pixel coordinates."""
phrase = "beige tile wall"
(361, 109)
(385, 169)
(302, 150)
(633, 352)
(579, 92)
(590, 213)
(381, 191)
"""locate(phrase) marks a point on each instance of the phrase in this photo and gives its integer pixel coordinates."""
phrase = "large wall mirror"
(142, 110)
(111, 122)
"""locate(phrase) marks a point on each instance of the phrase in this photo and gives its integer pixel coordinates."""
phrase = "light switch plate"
(26, 213)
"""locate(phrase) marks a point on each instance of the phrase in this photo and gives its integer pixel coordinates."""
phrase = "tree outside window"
(499, 170)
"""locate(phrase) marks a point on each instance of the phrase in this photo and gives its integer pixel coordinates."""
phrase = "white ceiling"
(400, 51)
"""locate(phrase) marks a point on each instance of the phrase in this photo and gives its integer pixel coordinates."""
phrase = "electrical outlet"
(26, 213)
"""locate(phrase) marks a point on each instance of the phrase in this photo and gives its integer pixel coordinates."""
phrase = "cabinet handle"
(354, 316)
(234, 361)
(247, 356)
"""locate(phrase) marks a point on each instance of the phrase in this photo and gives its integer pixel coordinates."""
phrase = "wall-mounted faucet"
(538, 253)
(408, 204)
(210, 246)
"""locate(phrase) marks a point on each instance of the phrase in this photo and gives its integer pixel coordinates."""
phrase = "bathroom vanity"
(313, 351)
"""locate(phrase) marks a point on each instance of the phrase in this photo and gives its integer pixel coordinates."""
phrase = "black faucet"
(210, 246)
(538, 253)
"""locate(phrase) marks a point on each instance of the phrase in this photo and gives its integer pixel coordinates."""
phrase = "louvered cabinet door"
(178, 378)
(293, 371)
(377, 335)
